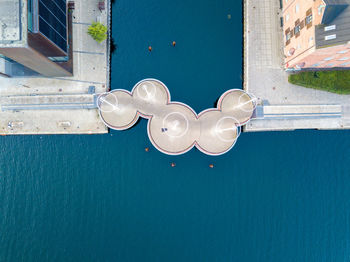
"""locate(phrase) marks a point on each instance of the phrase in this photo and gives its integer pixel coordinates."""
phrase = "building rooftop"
(337, 19)
(336, 2)
(12, 21)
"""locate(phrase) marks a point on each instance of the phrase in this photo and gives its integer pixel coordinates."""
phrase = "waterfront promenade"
(174, 128)
(294, 107)
(66, 104)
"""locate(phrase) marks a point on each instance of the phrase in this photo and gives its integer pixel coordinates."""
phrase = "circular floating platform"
(121, 115)
(218, 133)
(239, 104)
(175, 124)
(227, 129)
(148, 94)
(151, 91)
(108, 102)
(174, 130)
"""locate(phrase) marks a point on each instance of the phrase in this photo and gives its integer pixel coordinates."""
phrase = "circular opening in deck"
(247, 103)
(147, 91)
(107, 102)
(227, 129)
(175, 124)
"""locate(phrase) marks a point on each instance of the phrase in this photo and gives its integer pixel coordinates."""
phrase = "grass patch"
(331, 81)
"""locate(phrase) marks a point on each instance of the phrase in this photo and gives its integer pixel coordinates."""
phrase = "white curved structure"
(174, 128)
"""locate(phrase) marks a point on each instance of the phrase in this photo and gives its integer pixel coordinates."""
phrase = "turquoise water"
(275, 197)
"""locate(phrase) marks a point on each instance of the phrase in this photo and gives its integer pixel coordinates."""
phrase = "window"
(288, 36)
(345, 64)
(287, 17)
(30, 15)
(58, 58)
(329, 28)
(309, 19)
(311, 41)
(297, 8)
(297, 29)
(343, 59)
(330, 65)
(343, 52)
(328, 58)
(316, 65)
(300, 65)
(291, 52)
(330, 37)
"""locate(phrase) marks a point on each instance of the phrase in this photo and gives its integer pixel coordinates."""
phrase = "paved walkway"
(59, 102)
(174, 128)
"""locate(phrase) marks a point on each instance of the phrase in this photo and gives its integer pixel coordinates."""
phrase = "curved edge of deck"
(174, 128)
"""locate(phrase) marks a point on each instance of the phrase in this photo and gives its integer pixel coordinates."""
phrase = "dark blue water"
(275, 197)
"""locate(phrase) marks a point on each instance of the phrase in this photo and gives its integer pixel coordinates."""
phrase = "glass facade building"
(49, 17)
(53, 21)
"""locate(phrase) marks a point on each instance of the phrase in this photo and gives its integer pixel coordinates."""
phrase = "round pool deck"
(175, 128)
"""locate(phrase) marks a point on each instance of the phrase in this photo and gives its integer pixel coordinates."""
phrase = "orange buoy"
(211, 166)
(150, 48)
(146, 149)
(174, 43)
(173, 165)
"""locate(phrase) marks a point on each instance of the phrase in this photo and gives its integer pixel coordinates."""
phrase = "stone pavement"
(266, 78)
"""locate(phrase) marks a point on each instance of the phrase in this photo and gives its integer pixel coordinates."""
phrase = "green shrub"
(330, 81)
(98, 31)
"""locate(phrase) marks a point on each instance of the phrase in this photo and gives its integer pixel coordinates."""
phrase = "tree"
(98, 31)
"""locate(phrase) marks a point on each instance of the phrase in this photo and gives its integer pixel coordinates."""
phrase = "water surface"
(275, 197)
